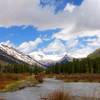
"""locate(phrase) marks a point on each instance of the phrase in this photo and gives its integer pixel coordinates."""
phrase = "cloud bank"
(74, 21)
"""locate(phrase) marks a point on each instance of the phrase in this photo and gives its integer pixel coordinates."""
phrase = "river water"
(50, 84)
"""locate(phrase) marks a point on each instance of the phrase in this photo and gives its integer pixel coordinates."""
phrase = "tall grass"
(8, 78)
(62, 95)
(57, 95)
(79, 77)
(39, 77)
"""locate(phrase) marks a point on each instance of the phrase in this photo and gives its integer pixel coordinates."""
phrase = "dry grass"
(57, 95)
(28, 82)
(12, 82)
(6, 79)
(62, 95)
(39, 77)
(79, 77)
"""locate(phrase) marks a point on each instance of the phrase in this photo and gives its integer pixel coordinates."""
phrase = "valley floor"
(83, 84)
(12, 82)
(56, 88)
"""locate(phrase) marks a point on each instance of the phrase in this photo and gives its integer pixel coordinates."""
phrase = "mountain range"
(64, 59)
(9, 55)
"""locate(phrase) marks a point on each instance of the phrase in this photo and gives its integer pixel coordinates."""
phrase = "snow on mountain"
(18, 55)
(66, 58)
(48, 62)
(13, 53)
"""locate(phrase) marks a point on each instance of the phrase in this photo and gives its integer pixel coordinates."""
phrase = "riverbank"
(76, 90)
(13, 82)
(76, 77)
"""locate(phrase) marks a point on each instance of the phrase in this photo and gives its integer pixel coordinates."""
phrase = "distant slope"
(95, 54)
(11, 55)
(8, 59)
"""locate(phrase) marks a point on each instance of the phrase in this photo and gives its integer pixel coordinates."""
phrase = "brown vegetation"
(39, 77)
(79, 77)
(13, 82)
(57, 95)
(1, 98)
(6, 79)
(62, 95)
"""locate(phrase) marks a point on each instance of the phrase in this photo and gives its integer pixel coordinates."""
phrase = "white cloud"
(29, 46)
(55, 47)
(52, 57)
(94, 43)
(72, 43)
(23, 12)
(54, 51)
(81, 53)
(28, 12)
(84, 20)
(40, 55)
(69, 7)
(66, 35)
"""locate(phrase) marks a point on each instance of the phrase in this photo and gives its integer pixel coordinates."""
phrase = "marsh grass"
(13, 82)
(62, 95)
(57, 95)
(39, 77)
(6, 79)
(79, 77)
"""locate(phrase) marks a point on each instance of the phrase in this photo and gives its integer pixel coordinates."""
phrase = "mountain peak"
(66, 58)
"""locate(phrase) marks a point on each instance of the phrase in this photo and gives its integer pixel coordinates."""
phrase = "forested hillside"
(77, 66)
(95, 54)
(19, 68)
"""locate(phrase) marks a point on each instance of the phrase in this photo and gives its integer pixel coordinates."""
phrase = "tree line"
(20, 68)
(86, 65)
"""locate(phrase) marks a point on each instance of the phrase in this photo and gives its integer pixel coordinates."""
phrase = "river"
(50, 84)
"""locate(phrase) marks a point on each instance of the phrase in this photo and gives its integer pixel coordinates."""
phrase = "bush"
(39, 77)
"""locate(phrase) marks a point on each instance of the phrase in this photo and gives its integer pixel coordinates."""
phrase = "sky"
(49, 29)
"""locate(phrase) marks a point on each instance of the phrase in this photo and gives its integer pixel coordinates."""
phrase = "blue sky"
(51, 28)
(59, 5)
(19, 34)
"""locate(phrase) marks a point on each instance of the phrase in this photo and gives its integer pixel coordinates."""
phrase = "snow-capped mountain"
(64, 59)
(10, 54)
(48, 63)
(14, 55)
